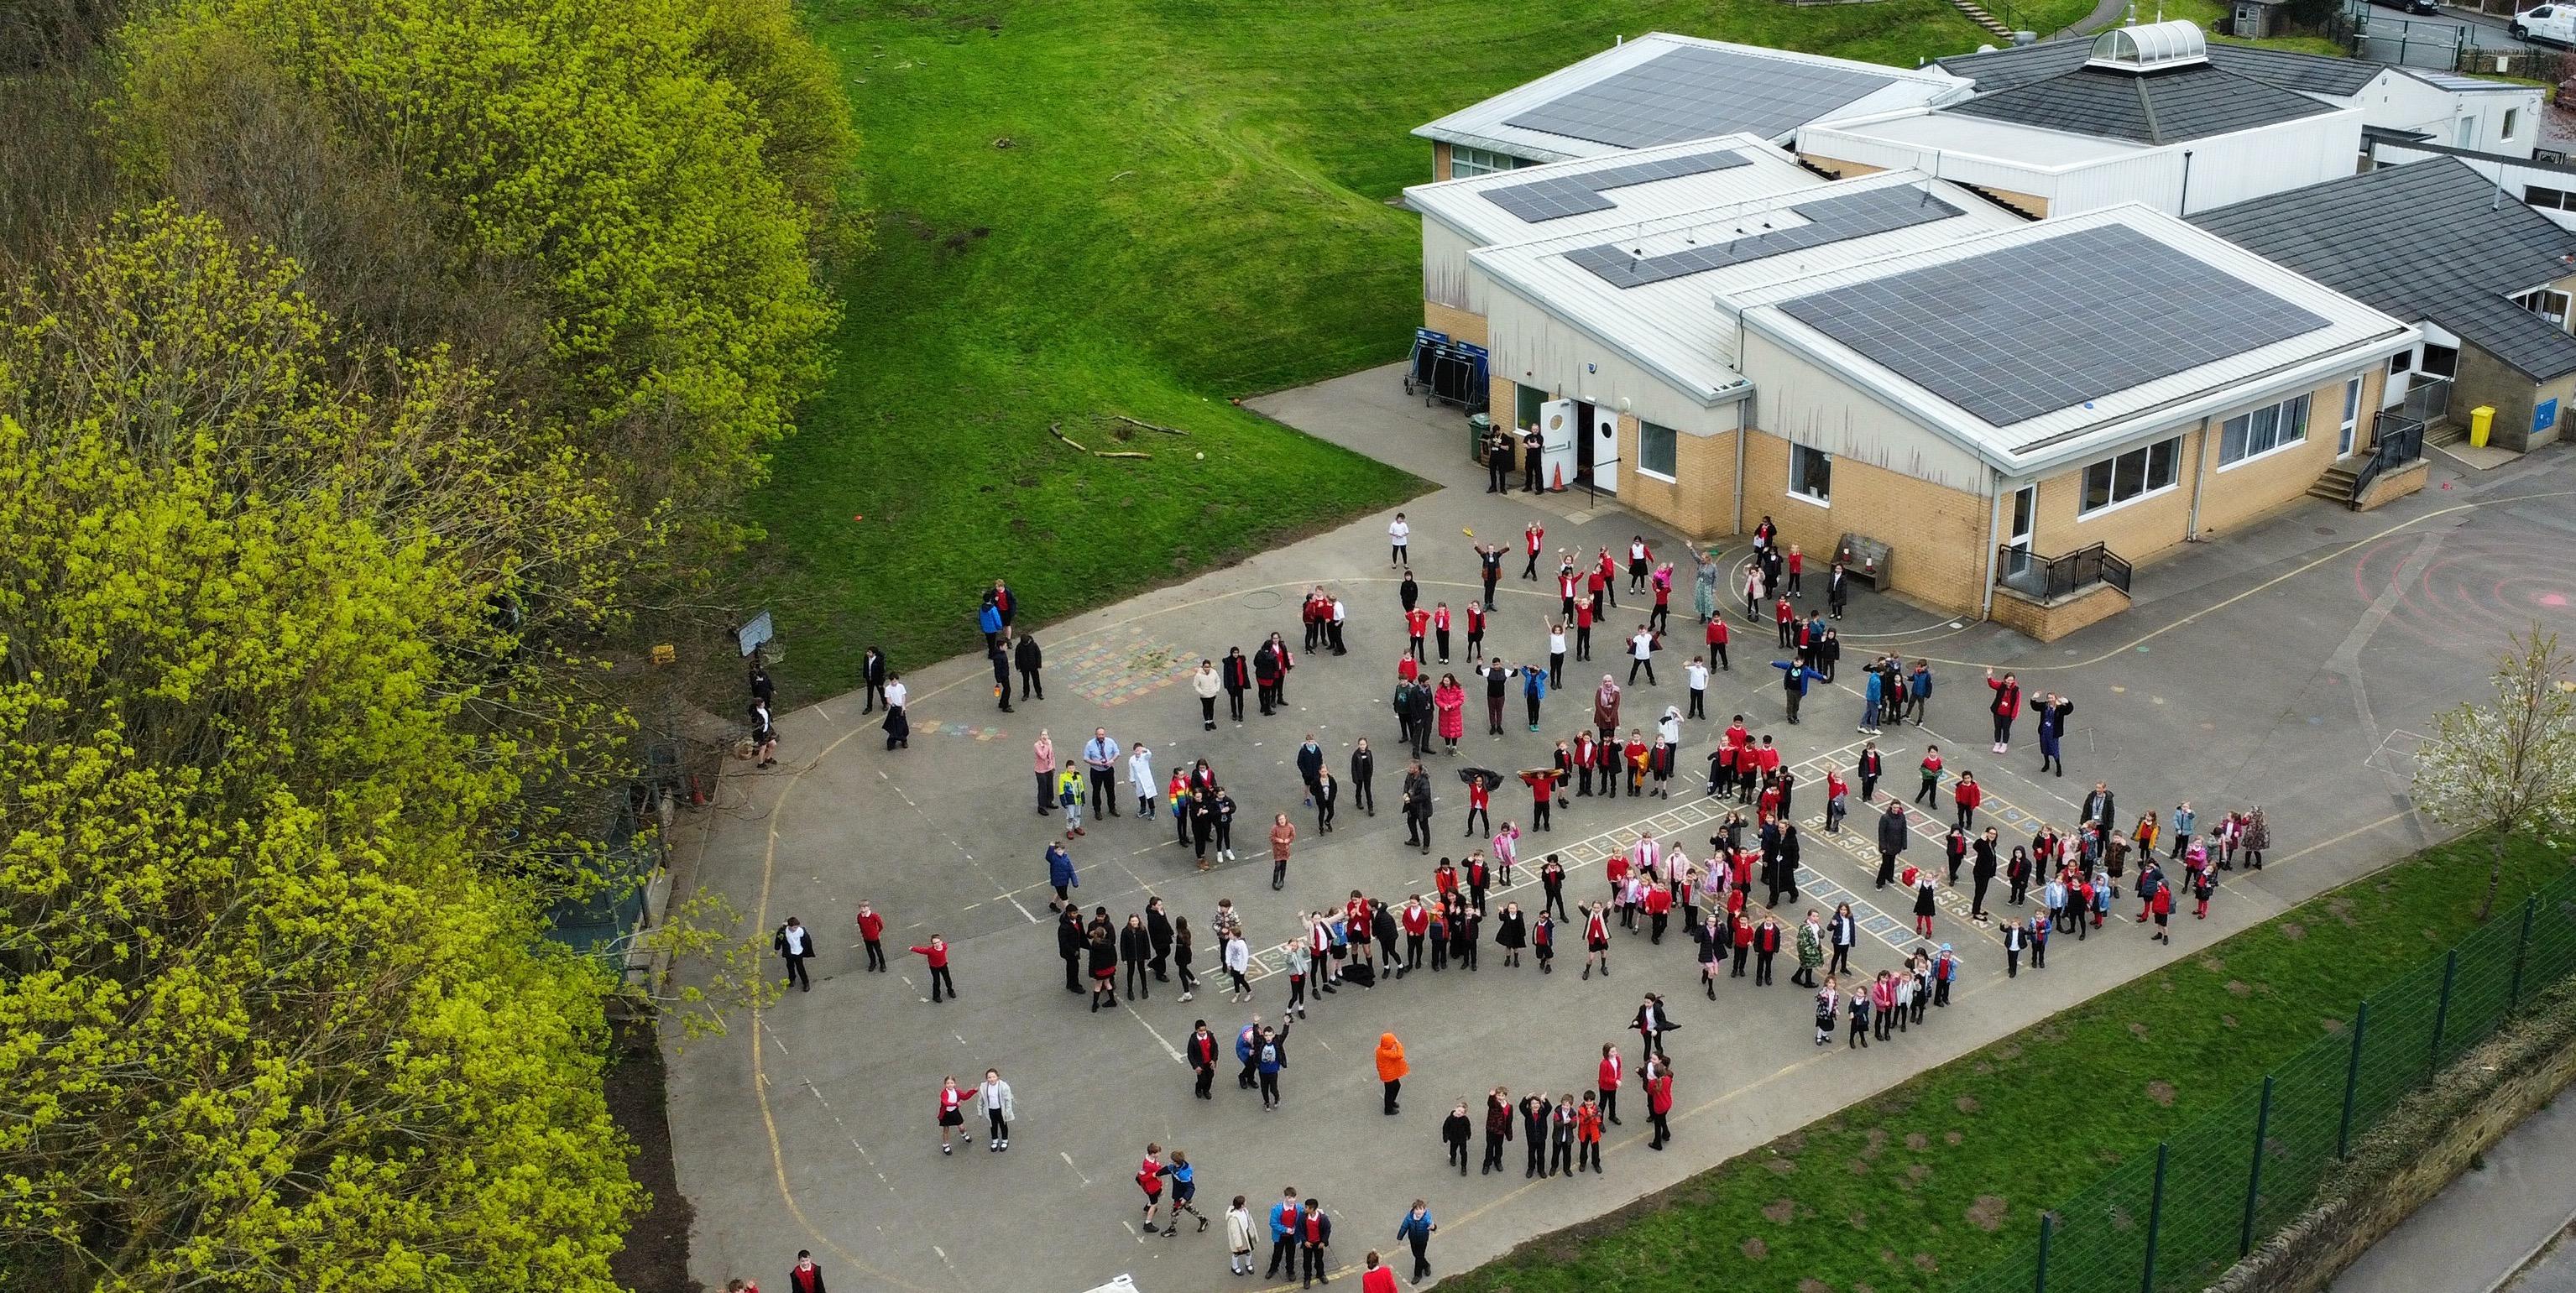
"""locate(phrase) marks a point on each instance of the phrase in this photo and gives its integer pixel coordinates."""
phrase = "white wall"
(2272, 159)
(1797, 399)
(1444, 266)
(1530, 346)
(2400, 102)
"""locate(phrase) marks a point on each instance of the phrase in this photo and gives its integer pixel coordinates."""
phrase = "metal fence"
(2047, 578)
(2396, 442)
(2176, 1218)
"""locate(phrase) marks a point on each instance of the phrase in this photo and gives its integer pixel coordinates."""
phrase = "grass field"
(1925, 1184)
(1193, 204)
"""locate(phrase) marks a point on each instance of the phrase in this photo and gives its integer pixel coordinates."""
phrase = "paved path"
(2478, 1233)
(2292, 664)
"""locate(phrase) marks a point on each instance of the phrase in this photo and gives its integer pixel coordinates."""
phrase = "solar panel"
(2031, 329)
(1694, 92)
(1563, 195)
(1829, 220)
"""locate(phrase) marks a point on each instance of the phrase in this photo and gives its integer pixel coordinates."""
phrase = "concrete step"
(1980, 17)
(2334, 485)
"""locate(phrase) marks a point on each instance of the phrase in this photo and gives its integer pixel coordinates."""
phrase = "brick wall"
(1439, 161)
(2049, 621)
(1699, 502)
(2232, 498)
(1937, 535)
(2134, 530)
(1459, 324)
(2484, 379)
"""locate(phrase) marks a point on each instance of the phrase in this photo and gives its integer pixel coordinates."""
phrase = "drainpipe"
(1994, 526)
(1741, 418)
(2199, 478)
(2186, 184)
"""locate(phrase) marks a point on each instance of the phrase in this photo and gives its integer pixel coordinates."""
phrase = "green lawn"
(1192, 206)
(1897, 1193)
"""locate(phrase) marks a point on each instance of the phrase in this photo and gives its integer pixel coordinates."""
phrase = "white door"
(1556, 443)
(1605, 449)
(2351, 418)
(2025, 518)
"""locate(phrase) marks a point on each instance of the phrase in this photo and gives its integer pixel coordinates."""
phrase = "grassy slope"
(1855, 1216)
(1193, 206)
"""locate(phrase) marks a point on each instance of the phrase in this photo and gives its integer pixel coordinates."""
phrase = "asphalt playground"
(2294, 665)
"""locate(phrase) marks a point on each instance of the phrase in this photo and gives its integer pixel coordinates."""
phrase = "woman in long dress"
(1704, 583)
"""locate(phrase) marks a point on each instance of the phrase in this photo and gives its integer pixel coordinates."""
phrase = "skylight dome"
(2150, 47)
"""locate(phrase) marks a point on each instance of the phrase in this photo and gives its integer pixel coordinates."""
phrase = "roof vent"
(2150, 47)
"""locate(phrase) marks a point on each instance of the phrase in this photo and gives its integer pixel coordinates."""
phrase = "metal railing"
(2397, 442)
(2428, 399)
(2049, 578)
(2175, 1219)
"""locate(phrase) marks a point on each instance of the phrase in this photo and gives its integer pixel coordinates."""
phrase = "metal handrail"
(2398, 441)
(2049, 578)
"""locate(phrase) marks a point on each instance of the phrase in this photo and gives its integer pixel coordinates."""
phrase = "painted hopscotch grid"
(1112, 669)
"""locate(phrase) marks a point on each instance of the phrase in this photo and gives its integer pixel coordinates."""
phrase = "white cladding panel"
(1799, 401)
(1530, 346)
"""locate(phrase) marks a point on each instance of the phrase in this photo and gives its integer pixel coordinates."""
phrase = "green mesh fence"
(2177, 1215)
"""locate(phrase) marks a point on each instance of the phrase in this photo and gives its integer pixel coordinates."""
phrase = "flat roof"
(1505, 207)
(1681, 325)
(2009, 141)
(2132, 322)
(1661, 88)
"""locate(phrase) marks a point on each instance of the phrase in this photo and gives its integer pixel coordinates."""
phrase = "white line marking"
(1068, 1161)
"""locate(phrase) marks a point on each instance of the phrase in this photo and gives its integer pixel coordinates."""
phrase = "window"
(2548, 199)
(1526, 405)
(2145, 470)
(2255, 433)
(2545, 303)
(2512, 121)
(2439, 361)
(1465, 162)
(2464, 132)
(2400, 362)
(1656, 450)
(1811, 474)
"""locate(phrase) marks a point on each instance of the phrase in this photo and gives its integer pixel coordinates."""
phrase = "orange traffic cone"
(1556, 483)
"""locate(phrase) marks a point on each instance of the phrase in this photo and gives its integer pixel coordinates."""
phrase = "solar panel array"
(1829, 220)
(2035, 328)
(1694, 92)
(1559, 196)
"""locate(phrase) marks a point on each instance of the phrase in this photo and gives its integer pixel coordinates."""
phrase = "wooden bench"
(1865, 558)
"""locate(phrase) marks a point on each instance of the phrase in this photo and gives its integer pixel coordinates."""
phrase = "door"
(1601, 438)
(2024, 509)
(2351, 418)
(1557, 440)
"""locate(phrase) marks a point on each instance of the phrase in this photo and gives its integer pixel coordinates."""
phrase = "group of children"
(1891, 1002)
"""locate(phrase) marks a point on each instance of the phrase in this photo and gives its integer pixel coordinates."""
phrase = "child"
(1826, 996)
(1238, 1237)
(1184, 1189)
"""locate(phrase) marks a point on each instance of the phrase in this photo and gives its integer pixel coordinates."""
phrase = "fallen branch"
(1056, 429)
(1105, 453)
(1148, 425)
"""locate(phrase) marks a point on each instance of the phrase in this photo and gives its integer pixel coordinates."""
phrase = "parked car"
(2552, 23)
(2409, 6)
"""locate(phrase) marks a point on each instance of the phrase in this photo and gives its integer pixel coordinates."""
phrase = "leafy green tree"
(2501, 767)
(275, 1008)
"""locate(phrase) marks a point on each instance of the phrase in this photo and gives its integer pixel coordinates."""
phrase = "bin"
(1479, 425)
(2481, 424)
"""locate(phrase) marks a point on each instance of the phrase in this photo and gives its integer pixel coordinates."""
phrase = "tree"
(275, 1005)
(2502, 767)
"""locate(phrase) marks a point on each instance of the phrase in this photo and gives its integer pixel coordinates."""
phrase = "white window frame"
(2543, 198)
(2401, 362)
(2512, 122)
(1672, 438)
(2280, 411)
(1825, 499)
(1466, 163)
(2348, 436)
(2145, 454)
(2547, 302)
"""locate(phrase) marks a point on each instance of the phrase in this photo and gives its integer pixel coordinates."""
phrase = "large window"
(2439, 361)
(2254, 434)
(2548, 199)
(1656, 450)
(1465, 162)
(2148, 469)
(1811, 474)
(2545, 303)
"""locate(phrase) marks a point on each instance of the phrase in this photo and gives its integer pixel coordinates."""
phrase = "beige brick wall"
(1439, 161)
(2483, 379)
(2394, 485)
(2142, 527)
(1838, 168)
(1699, 501)
(2233, 498)
(2049, 622)
(1938, 535)
(1459, 324)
